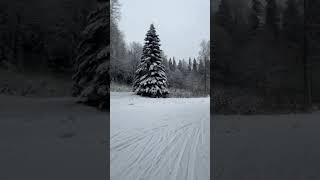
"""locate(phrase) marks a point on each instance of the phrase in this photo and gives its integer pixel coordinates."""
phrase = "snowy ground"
(51, 139)
(55, 138)
(159, 139)
(265, 147)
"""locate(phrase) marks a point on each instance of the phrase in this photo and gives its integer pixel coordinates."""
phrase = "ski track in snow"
(159, 139)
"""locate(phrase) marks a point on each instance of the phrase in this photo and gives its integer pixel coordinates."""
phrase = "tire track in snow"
(170, 141)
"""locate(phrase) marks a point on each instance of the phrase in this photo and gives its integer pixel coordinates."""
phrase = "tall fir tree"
(195, 66)
(151, 79)
(190, 65)
(91, 77)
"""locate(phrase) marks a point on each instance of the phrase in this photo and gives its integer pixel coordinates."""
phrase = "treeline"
(192, 76)
(259, 53)
(41, 35)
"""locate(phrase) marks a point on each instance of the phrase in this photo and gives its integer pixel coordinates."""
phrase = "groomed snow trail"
(159, 139)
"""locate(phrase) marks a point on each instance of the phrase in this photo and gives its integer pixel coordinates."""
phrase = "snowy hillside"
(159, 138)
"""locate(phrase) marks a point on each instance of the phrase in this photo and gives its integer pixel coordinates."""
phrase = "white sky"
(180, 24)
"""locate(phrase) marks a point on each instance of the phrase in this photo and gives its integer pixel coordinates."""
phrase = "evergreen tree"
(272, 17)
(91, 78)
(180, 66)
(166, 64)
(311, 42)
(207, 74)
(195, 66)
(202, 75)
(256, 13)
(190, 65)
(151, 79)
(170, 65)
(184, 66)
(201, 67)
(174, 64)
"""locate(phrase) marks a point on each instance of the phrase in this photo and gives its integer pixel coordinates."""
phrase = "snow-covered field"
(153, 139)
(266, 147)
(159, 139)
(51, 139)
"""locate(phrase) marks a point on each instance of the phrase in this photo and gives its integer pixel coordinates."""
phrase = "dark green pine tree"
(91, 77)
(190, 65)
(150, 78)
(272, 17)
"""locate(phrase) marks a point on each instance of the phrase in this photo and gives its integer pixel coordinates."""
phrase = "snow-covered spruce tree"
(91, 78)
(150, 79)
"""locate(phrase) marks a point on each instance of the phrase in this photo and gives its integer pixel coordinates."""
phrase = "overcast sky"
(180, 24)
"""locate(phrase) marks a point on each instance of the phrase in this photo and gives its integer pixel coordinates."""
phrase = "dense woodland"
(41, 35)
(65, 39)
(264, 52)
(260, 61)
